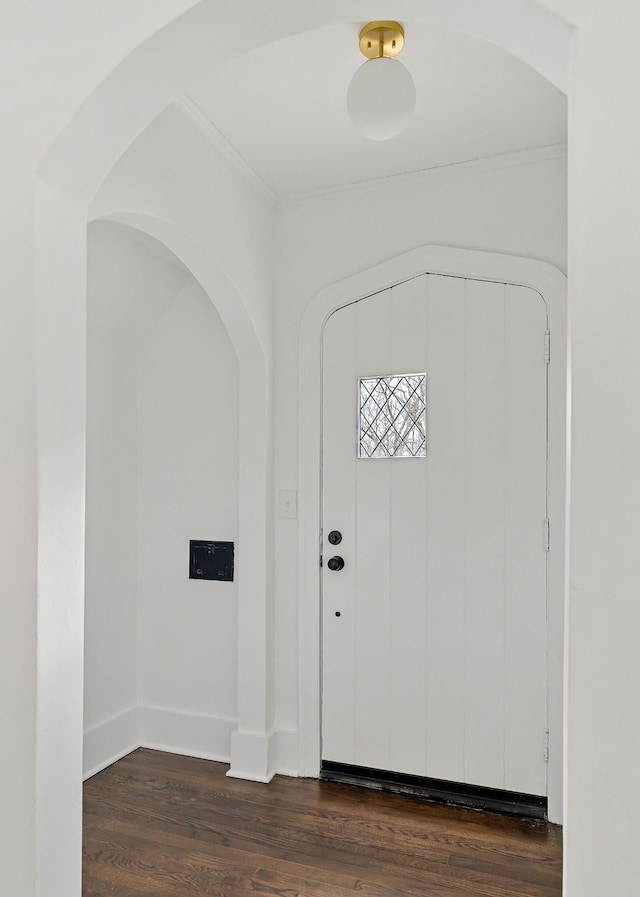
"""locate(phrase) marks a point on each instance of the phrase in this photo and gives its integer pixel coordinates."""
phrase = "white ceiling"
(282, 108)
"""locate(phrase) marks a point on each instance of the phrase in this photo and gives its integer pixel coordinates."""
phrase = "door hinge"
(546, 745)
(546, 534)
(547, 346)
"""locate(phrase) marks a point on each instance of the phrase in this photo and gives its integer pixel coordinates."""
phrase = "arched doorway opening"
(171, 58)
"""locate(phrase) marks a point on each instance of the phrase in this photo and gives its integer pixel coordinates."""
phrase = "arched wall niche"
(253, 462)
(254, 456)
(112, 116)
(207, 272)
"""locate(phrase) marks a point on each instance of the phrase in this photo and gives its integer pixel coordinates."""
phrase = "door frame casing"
(551, 283)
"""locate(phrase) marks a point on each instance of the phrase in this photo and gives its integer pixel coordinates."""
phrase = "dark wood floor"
(159, 824)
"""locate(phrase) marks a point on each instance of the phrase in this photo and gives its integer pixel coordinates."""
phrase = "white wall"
(603, 785)
(162, 446)
(519, 210)
(130, 285)
(187, 489)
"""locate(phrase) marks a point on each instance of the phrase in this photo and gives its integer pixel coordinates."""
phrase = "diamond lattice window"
(393, 416)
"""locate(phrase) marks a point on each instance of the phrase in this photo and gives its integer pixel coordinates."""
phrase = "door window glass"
(392, 421)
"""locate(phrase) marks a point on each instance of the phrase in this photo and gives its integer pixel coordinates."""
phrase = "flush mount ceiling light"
(381, 96)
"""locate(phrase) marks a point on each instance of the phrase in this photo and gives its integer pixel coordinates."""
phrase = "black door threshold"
(476, 797)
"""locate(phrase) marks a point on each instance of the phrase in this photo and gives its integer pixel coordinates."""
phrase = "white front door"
(434, 630)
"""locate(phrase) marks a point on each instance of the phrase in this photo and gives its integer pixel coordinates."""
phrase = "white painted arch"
(200, 261)
(551, 284)
(176, 54)
(176, 51)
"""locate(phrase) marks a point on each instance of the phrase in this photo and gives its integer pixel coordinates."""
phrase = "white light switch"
(288, 504)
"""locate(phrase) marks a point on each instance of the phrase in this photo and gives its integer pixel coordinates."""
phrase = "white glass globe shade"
(381, 98)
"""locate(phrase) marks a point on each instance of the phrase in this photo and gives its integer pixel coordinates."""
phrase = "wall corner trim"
(110, 741)
(421, 176)
(220, 142)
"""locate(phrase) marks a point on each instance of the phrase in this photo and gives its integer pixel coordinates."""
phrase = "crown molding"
(194, 113)
(486, 163)
(196, 116)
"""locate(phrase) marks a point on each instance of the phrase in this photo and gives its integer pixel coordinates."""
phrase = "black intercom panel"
(211, 560)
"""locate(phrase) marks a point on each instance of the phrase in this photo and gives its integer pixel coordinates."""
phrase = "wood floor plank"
(171, 826)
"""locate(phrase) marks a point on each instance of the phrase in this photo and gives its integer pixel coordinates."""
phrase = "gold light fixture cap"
(381, 39)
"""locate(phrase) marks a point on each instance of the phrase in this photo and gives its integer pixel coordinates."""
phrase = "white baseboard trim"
(110, 741)
(190, 734)
(253, 757)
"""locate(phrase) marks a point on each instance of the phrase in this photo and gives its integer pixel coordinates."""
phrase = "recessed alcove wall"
(162, 444)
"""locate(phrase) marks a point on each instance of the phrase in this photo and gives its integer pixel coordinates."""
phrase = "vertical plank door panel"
(373, 546)
(408, 622)
(339, 506)
(445, 712)
(484, 534)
